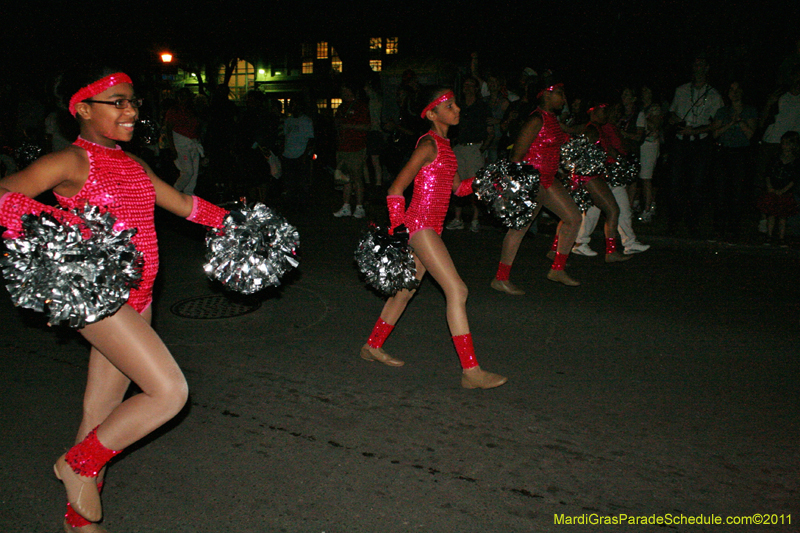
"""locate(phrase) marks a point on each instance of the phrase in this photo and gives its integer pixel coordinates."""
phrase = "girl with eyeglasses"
(124, 346)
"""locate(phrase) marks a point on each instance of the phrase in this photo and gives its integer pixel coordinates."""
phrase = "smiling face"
(104, 124)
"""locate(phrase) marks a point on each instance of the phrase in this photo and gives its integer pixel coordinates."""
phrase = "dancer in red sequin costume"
(125, 348)
(433, 169)
(601, 132)
(539, 144)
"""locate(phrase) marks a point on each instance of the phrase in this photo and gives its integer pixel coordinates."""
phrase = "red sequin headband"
(449, 95)
(598, 106)
(96, 88)
(549, 89)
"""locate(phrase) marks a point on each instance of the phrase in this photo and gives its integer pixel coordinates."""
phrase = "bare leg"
(130, 345)
(604, 199)
(513, 240)
(432, 253)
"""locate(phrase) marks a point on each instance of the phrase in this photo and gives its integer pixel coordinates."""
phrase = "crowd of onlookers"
(714, 163)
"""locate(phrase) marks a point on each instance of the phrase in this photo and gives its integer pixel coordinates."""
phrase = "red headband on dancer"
(449, 95)
(549, 89)
(598, 106)
(96, 88)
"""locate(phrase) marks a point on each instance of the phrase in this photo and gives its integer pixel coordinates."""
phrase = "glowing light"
(166, 57)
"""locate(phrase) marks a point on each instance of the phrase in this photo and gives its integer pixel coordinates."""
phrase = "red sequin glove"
(465, 189)
(13, 205)
(206, 213)
(397, 211)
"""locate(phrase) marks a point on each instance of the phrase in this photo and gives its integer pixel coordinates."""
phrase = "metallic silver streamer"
(26, 154)
(386, 261)
(252, 251)
(622, 172)
(52, 268)
(509, 191)
(577, 190)
(148, 131)
(581, 157)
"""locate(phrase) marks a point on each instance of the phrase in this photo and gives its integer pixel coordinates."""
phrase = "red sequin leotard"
(433, 185)
(121, 185)
(545, 150)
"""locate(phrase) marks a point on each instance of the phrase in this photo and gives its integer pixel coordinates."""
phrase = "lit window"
(336, 61)
(335, 103)
(322, 50)
(308, 67)
(375, 64)
(242, 80)
(391, 45)
(307, 50)
(322, 104)
(375, 43)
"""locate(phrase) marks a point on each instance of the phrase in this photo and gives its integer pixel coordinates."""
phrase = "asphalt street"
(665, 386)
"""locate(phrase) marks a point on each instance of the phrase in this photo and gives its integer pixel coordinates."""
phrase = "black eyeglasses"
(120, 103)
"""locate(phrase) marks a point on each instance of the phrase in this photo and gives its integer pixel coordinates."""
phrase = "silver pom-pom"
(386, 261)
(622, 172)
(26, 154)
(576, 187)
(52, 268)
(581, 157)
(252, 251)
(509, 191)
(148, 131)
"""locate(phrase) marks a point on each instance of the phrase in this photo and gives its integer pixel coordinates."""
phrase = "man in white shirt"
(691, 114)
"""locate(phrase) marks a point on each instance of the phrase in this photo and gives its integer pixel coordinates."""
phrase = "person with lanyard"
(433, 169)
(539, 144)
(124, 346)
(691, 113)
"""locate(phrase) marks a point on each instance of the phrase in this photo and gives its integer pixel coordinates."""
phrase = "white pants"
(190, 151)
(590, 218)
(648, 156)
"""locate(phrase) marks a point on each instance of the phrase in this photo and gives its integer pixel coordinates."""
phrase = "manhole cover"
(212, 307)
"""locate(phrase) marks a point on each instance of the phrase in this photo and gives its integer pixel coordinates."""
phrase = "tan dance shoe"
(91, 528)
(377, 354)
(506, 287)
(616, 257)
(475, 378)
(82, 491)
(559, 276)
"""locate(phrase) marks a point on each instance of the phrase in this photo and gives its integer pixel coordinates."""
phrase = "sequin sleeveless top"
(545, 150)
(433, 185)
(121, 185)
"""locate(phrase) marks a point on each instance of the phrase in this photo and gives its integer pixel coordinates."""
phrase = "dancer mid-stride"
(124, 347)
(539, 144)
(433, 169)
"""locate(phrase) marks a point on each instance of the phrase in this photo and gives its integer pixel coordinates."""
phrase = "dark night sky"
(590, 42)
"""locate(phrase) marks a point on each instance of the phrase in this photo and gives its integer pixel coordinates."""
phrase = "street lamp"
(166, 57)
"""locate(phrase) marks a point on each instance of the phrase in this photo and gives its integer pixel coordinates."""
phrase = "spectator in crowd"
(783, 174)
(183, 134)
(472, 140)
(298, 130)
(734, 126)
(375, 138)
(692, 109)
(651, 120)
(352, 125)
(785, 118)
